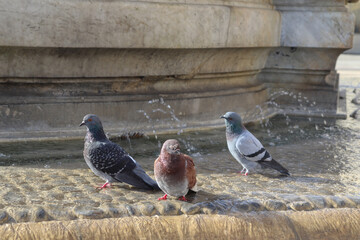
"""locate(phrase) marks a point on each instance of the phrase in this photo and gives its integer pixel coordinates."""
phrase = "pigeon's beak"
(82, 124)
(223, 117)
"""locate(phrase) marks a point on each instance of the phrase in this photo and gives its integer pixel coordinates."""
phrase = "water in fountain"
(160, 106)
(321, 157)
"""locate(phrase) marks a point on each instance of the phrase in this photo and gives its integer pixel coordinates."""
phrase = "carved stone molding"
(185, 60)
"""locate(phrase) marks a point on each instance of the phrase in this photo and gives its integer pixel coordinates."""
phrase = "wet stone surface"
(356, 99)
(45, 181)
(59, 195)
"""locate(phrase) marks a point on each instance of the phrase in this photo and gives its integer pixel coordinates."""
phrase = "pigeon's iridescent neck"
(95, 134)
(234, 129)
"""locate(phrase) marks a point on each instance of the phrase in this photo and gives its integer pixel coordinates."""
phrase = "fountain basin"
(49, 180)
(329, 224)
(62, 60)
(47, 185)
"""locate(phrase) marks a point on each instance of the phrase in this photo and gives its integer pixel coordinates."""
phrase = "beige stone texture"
(355, 9)
(134, 24)
(325, 224)
(317, 29)
(60, 60)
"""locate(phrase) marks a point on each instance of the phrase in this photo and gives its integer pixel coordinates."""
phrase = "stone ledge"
(175, 55)
(134, 24)
(45, 194)
(45, 91)
(41, 64)
(89, 209)
(329, 224)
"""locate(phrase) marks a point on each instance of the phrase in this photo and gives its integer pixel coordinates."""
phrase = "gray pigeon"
(246, 148)
(109, 161)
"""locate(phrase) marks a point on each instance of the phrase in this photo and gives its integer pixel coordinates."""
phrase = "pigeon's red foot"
(244, 172)
(163, 197)
(104, 186)
(183, 199)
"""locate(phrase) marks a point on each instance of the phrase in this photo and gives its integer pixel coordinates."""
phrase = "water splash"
(161, 107)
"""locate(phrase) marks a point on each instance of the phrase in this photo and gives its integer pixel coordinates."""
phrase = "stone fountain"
(160, 66)
(62, 59)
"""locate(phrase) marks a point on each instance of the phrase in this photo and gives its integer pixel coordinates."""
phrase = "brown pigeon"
(174, 171)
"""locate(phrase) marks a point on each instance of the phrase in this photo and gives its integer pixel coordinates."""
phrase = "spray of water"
(160, 106)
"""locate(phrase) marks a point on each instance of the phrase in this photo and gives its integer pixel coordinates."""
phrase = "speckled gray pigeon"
(109, 161)
(246, 148)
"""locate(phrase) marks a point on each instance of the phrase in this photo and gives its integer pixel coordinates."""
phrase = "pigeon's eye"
(89, 120)
(230, 119)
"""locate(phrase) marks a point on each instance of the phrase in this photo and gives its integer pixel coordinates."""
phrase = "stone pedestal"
(160, 65)
(313, 35)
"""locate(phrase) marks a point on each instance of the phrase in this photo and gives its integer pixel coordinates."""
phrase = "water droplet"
(197, 154)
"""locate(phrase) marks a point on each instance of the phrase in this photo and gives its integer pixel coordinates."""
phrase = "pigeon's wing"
(111, 159)
(275, 165)
(251, 148)
(190, 172)
(138, 178)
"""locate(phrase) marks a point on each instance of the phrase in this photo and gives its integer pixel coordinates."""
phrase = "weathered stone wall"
(327, 224)
(355, 9)
(137, 64)
(313, 35)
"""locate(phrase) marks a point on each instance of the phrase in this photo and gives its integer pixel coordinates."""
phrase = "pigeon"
(174, 172)
(109, 161)
(246, 148)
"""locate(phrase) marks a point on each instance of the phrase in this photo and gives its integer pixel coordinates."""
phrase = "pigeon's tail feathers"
(146, 179)
(275, 165)
(194, 188)
(137, 178)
